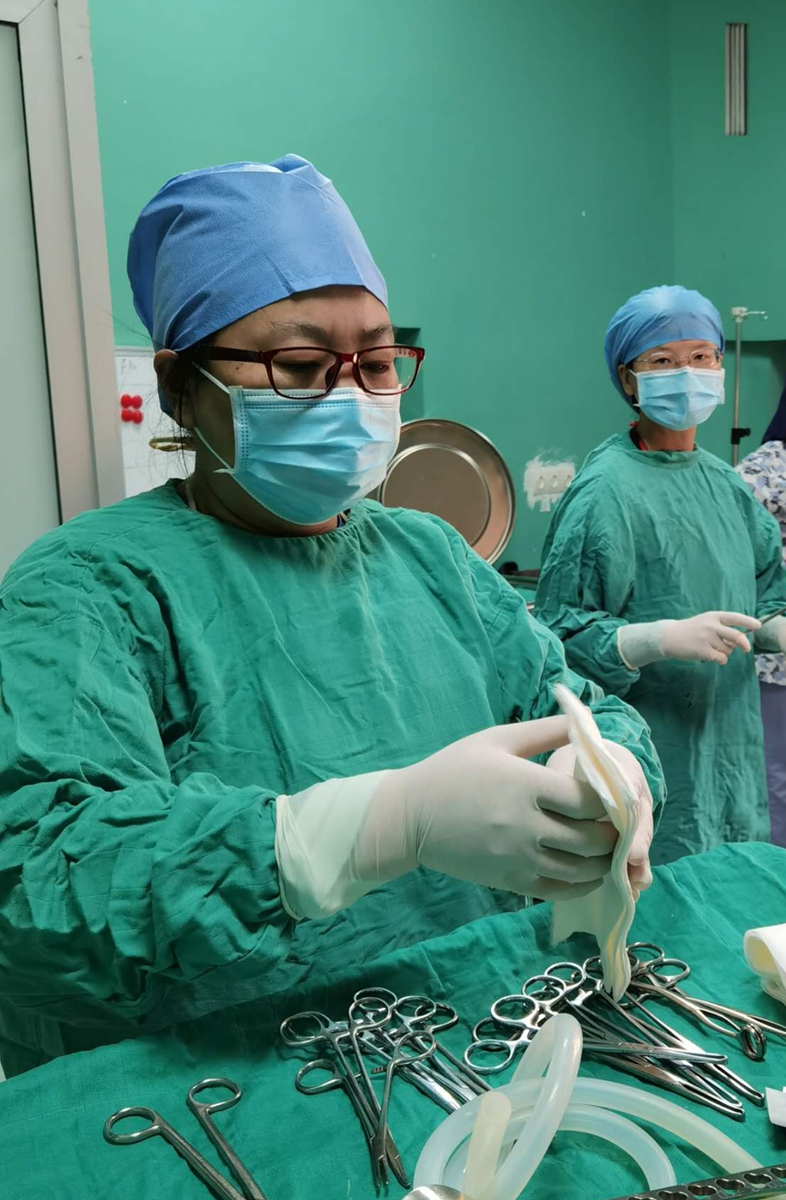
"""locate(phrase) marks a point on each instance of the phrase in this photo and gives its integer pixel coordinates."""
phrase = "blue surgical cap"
(661, 314)
(216, 244)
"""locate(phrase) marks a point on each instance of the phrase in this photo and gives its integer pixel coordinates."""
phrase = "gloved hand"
(639, 870)
(707, 637)
(477, 810)
(771, 638)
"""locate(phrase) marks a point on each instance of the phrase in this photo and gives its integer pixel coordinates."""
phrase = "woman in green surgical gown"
(657, 564)
(255, 730)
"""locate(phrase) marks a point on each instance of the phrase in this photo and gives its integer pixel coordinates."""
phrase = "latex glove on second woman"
(707, 637)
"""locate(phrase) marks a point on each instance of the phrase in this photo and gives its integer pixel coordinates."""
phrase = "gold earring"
(170, 445)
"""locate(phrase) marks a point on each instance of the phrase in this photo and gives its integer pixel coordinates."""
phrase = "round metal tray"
(448, 469)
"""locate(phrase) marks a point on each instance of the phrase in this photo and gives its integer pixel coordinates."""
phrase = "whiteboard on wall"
(144, 467)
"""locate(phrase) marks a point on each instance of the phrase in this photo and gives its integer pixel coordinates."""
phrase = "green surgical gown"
(163, 677)
(641, 536)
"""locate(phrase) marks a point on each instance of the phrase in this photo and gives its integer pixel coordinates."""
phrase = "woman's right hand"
(477, 810)
(480, 811)
(707, 637)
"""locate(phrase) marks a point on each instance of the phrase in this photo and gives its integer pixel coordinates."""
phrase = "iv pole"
(737, 434)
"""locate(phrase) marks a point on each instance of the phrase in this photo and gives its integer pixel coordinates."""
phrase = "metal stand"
(737, 434)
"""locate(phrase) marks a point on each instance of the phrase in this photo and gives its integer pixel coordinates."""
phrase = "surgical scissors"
(376, 1128)
(400, 1056)
(546, 995)
(488, 1034)
(378, 1016)
(429, 1084)
(158, 1127)
(421, 1015)
(432, 1017)
(715, 1077)
(648, 975)
(369, 1121)
(750, 1036)
(585, 987)
(309, 1029)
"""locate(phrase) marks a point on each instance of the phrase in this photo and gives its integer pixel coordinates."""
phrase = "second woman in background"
(657, 558)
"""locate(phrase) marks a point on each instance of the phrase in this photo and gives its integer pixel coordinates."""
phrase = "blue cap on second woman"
(658, 315)
(216, 244)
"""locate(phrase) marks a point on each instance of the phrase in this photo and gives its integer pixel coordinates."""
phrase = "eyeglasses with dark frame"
(311, 372)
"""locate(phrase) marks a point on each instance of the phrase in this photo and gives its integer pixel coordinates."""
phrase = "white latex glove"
(708, 637)
(477, 810)
(771, 638)
(639, 870)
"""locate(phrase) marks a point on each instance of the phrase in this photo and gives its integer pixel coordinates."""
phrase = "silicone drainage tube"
(645, 1106)
(579, 1118)
(479, 1163)
(557, 1047)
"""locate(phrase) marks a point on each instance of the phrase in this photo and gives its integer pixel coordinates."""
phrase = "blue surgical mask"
(681, 398)
(307, 460)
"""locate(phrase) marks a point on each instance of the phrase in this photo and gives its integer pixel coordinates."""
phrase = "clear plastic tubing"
(579, 1118)
(557, 1048)
(479, 1163)
(635, 1103)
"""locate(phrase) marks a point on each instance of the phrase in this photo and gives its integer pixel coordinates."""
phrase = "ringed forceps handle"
(158, 1127)
(204, 1112)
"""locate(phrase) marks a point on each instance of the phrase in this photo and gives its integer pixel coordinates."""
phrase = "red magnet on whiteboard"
(130, 408)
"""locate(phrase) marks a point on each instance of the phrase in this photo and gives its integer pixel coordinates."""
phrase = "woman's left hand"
(639, 871)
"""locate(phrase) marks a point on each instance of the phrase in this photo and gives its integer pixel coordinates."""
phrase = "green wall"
(729, 194)
(484, 148)
(519, 169)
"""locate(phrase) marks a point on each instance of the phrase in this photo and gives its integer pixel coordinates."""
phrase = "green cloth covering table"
(300, 1147)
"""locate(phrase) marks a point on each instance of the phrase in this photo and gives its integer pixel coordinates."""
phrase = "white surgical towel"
(765, 951)
(608, 911)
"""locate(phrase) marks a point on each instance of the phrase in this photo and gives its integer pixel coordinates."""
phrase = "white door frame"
(68, 210)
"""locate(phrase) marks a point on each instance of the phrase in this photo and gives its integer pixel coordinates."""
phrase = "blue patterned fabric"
(764, 471)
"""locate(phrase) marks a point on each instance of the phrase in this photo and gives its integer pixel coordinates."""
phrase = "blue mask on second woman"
(679, 399)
